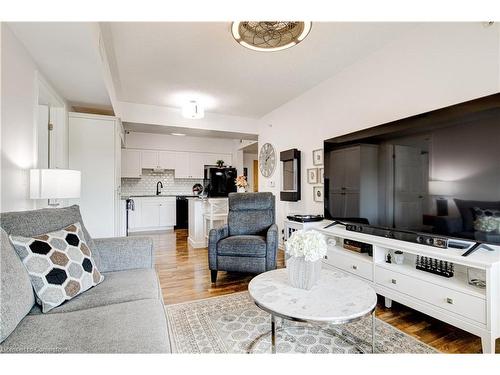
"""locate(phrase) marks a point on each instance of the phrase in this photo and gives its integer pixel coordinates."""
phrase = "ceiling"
(67, 57)
(163, 129)
(168, 63)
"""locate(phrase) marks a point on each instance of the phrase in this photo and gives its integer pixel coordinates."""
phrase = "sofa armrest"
(214, 236)
(125, 253)
(272, 247)
(448, 224)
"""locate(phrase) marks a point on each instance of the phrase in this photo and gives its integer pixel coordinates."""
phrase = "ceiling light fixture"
(178, 134)
(270, 35)
(193, 110)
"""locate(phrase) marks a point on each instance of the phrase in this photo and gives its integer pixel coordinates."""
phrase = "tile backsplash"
(147, 184)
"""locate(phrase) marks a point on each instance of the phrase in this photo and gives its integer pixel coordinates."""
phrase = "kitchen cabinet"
(185, 164)
(149, 159)
(159, 159)
(95, 149)
(152, 213)
(131, 164)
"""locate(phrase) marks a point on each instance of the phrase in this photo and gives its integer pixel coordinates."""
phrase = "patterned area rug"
(233, 324)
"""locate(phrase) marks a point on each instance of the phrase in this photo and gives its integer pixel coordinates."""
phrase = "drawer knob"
(393, 281)
(449, 300)
(326, 256)
(354, 267)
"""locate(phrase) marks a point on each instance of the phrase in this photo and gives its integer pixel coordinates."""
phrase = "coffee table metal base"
(275, 329)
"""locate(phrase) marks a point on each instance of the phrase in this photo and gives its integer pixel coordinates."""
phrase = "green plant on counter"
(220, 163)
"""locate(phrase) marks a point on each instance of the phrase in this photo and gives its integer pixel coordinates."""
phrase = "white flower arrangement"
(309, 244)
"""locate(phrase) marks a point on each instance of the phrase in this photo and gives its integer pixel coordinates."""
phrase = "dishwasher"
(181, 206)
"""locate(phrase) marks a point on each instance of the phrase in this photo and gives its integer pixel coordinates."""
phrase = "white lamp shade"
(442, 188)
(54, 183)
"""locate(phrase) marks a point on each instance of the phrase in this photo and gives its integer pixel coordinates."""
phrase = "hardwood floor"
(184, 276)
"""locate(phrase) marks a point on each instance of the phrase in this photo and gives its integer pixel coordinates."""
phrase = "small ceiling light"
(270, 35)
(178, 134)
(193, 110)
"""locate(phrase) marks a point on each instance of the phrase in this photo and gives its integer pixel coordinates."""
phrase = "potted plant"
(305, 249)
(220, 163)
(241, 184)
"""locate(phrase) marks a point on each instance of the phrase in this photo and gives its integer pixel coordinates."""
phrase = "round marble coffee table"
(337, 299)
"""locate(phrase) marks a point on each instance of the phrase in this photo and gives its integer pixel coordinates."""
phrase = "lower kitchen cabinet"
(152, 213)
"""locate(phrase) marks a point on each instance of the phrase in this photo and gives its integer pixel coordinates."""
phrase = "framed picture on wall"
(318, 193)
(321, 175)
(318, 157)
(312, 175)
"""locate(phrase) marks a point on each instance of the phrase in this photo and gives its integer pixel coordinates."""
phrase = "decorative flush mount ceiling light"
(193, 110)
(270, 35)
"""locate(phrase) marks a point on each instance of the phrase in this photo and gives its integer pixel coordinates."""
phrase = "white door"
(131, 163)
(337, 204)
(352, 168)
(409, 187)
(337, 170)
(149, 159)
(166, 159)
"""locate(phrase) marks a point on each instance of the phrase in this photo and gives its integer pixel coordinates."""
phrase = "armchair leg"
(213, 276)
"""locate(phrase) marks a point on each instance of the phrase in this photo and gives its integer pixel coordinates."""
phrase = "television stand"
(451, 300)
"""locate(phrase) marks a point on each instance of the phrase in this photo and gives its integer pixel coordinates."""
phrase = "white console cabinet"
(451, 300)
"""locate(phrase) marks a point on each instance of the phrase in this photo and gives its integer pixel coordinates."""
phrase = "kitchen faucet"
(158, 192)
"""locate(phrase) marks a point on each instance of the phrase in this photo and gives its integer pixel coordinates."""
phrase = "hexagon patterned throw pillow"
(59, 264)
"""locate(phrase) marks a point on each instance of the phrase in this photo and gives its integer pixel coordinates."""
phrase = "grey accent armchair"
(249, 241)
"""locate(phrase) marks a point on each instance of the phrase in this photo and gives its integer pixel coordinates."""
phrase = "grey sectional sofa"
(123, 314)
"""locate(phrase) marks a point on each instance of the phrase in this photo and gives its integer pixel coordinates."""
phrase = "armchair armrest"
(214, 236)
(125, 253)
(272, 247)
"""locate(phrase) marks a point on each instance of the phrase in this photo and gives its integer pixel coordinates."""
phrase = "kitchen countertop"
(123, 197)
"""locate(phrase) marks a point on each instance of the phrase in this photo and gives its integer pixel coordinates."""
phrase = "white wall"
(432, 66)
(18, 119)
(19, 102)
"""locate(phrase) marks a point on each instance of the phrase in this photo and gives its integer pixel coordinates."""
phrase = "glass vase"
(302, 273)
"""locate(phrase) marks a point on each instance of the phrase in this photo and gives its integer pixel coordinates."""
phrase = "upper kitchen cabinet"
(149, 159)
(159, 159)
(131, 163)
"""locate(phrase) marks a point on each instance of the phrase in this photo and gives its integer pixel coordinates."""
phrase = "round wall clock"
(267, 160)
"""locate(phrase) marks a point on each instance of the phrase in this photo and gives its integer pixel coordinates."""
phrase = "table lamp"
(54, 184)
(442, 189)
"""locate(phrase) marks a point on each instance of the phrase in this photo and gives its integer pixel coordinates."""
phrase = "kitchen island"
(204, 214)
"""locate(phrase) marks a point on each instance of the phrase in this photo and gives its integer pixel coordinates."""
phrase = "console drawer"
(448, 299)
(350, 264)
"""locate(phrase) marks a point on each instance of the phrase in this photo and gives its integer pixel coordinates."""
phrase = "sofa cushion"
(117, 287)
(59, 263)
(130, 327)
(242, 246)
(465, 208)
(16, 293)
(37, 222)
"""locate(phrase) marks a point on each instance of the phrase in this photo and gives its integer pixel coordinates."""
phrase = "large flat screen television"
(438, 172)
